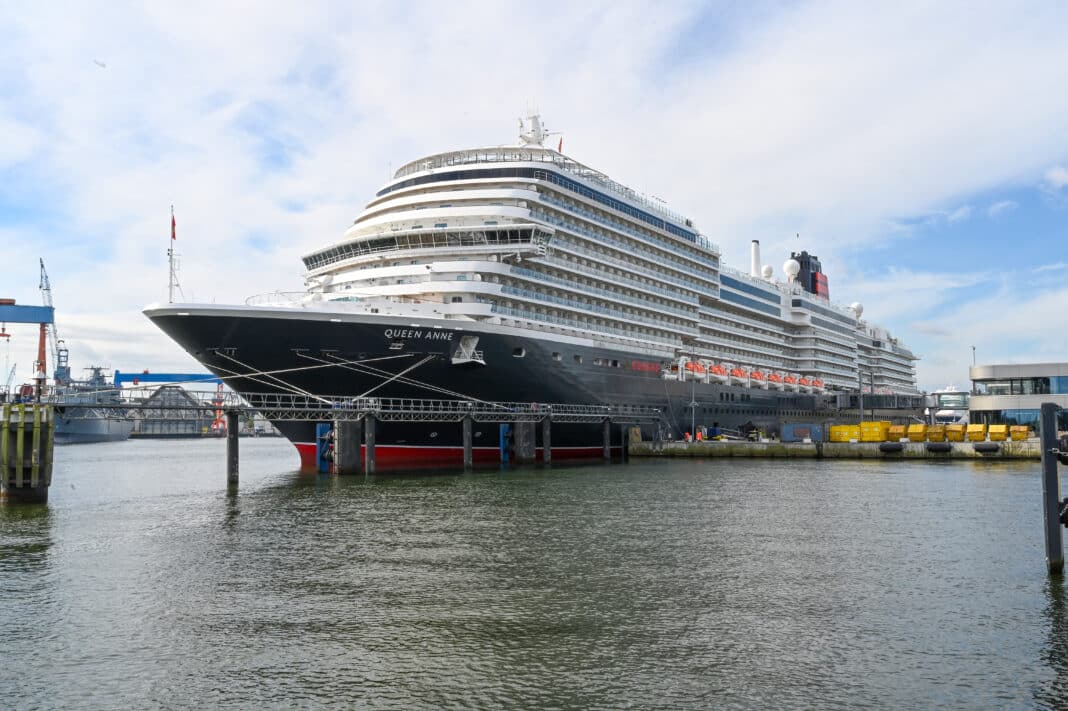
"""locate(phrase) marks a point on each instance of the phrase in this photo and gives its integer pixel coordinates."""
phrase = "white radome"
(792, 268)
(768, 271)
(857, 307)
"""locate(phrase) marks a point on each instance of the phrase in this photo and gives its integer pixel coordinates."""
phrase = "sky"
(919, 149)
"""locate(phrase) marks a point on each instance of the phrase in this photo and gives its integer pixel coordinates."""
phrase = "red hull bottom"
(414, 457)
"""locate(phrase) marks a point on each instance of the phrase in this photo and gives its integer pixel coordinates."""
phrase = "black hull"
(365, 357)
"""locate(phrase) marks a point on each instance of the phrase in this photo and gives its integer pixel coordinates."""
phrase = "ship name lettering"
(407, 333)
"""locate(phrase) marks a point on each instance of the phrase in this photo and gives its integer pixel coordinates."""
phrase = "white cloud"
(1001, 207)
(831, 119)
(1055, 178)
(960, 214)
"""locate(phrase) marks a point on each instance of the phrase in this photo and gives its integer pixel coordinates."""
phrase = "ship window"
(457, 299)
(578, 359)
(557, 357)
(519, 352)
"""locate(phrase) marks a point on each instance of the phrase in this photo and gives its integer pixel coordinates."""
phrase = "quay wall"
(1027, 449)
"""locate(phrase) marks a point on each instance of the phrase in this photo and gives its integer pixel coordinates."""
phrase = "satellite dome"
(857, 307)
(767, 271)
(792, 267)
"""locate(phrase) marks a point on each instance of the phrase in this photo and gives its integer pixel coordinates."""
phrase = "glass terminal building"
(1013, 394)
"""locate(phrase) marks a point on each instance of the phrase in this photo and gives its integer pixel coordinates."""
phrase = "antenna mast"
(172, 281)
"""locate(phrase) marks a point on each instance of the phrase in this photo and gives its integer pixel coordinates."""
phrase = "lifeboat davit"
(758, 379)
(775, 381)
(805, 384)
(790, 381)
(817, 385)
(739, 376)
(718, 373)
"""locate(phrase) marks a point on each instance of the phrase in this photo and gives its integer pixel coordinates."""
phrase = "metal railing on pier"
(315, 408)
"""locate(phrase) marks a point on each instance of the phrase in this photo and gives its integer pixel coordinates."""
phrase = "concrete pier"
(26, 445)
(347, 446)
(1028, 449)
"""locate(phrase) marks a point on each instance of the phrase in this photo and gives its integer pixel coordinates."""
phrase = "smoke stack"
(754, 262)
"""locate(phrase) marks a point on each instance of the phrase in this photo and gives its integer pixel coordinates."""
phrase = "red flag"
(174, 226)
(560, 148)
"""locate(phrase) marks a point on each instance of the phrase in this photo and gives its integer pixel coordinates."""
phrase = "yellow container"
(976, 433)
(898, 432)
(998, 433)
(874, 431)
(955, 433)
(1019, 432)
(917, 433)
(845, 433)
(936, 433)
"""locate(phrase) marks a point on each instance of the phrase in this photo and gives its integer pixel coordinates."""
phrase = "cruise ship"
(517, 274)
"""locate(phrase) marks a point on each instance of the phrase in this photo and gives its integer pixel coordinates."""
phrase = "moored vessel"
(519, 274)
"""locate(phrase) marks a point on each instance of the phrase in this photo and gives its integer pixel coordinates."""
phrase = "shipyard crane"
(59, 350)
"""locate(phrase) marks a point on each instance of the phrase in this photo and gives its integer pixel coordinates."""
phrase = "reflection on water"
(658, 584)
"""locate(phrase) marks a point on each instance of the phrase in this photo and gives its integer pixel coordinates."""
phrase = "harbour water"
(657, 584)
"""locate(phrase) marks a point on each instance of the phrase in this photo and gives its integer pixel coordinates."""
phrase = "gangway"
(147, 377)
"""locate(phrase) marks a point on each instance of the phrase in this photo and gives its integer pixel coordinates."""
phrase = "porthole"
(578, 359)
(519, 352)
(478, 434)
(433, 435)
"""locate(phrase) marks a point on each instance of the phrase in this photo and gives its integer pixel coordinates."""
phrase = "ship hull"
(87, 429)
(342, 355)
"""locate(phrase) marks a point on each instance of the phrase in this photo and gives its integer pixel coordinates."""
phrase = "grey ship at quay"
(518, 274)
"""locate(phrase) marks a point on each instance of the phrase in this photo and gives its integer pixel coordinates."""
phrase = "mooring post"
(547, 439)
(469, 452)
(231, 446)
(625, 441)
(369, 444)
(346, 447)
(607, 440)
(1051, 490)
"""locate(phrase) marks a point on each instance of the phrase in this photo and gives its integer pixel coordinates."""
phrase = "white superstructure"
(527, 237)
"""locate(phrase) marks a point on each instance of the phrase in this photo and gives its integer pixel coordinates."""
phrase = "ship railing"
(278, 298)
(711, 259)
(323, 408)
(566, 244)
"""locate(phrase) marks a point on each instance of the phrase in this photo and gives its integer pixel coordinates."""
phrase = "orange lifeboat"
(718, 372)
(739, 374)
(758, 379)
(805, 384)
(695, 367)
(817, 384)
(790, 381)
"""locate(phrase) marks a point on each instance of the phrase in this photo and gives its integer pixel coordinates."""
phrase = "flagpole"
(172, 279)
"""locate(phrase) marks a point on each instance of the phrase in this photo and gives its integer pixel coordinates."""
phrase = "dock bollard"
(368, 444)
(26, 452)
(547, 439)
(1051, 490)
(231, 446)
(469, 453)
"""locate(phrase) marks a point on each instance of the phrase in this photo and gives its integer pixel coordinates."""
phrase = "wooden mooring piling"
(27, 432)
